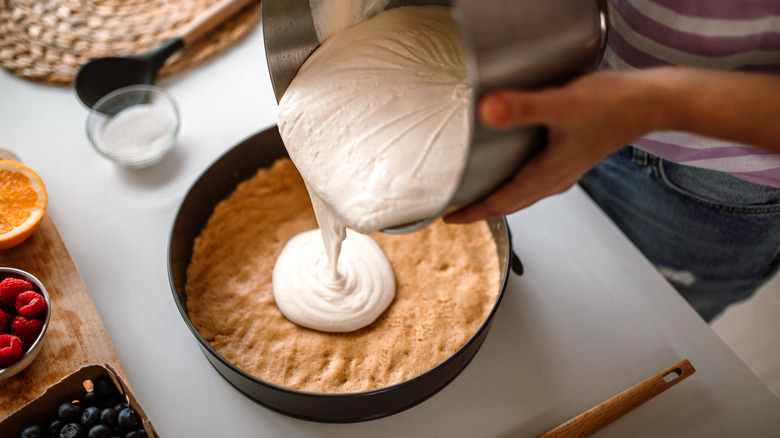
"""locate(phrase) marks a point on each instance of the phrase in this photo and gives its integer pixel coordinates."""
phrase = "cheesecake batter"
(317, 297)
(377, 121)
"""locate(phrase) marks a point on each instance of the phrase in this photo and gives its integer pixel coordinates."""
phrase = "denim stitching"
(639, 157)
(658, 171)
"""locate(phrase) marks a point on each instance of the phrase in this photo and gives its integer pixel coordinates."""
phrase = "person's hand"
(587, 120)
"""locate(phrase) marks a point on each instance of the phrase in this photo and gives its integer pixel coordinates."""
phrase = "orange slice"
(22, 203)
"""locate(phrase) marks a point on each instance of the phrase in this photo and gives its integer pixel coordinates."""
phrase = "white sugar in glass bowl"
(134, 126)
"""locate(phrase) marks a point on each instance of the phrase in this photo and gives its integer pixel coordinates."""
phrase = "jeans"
(715, 237)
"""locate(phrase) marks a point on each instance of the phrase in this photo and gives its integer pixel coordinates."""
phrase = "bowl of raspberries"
(25, 310)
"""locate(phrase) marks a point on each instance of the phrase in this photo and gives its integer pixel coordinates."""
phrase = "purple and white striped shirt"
(739, 35)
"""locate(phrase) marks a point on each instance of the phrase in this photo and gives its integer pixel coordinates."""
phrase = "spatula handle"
(605, 413)
(208, 20)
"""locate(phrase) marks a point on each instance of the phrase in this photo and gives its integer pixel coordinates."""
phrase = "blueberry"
(72, 430)
(55, 426)
(104, 388)
(112, 400)
(34, 432)
(70, 412)
(138, 433)
(108, 417)
(99, 431)
(128, 419)
(90, 399)
(119, 406)
(90, 417)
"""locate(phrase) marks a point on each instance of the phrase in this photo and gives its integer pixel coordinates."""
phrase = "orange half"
(22, 203)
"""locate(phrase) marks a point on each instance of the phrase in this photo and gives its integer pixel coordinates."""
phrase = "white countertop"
(588, 319)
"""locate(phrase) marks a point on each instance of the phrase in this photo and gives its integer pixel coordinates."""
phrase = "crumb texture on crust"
(447, 276)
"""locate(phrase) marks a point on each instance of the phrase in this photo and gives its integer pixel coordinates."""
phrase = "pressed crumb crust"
(447, 276)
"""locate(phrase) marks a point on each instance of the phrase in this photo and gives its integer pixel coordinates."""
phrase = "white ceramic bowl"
(35, 348)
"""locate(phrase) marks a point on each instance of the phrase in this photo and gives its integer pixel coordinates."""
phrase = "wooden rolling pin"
(596, 418)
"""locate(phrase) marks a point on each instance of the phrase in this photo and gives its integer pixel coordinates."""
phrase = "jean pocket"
(718, 190)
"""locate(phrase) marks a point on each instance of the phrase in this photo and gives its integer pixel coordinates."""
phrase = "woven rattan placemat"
(48, 40)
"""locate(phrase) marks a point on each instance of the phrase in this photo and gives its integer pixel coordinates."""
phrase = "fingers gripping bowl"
(527, 44)
(216, 184)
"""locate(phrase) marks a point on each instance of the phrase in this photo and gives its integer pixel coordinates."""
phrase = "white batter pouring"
(377, 121)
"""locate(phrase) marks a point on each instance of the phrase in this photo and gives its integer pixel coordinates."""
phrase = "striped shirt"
(739, 35)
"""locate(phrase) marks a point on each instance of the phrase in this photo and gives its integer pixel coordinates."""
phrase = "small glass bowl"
(134, 126)
(35, 348)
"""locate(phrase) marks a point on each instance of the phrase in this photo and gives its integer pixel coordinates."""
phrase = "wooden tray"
(76, 335)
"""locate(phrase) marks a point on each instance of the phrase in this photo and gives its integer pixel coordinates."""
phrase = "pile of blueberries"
(100, 413)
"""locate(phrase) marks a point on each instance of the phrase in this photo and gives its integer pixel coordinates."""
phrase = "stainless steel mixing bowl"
(518, 44)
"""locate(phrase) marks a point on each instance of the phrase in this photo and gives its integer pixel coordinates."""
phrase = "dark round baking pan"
(217, 183)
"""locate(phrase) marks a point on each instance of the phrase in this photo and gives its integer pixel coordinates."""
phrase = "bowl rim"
(148, 157)
(32, 352)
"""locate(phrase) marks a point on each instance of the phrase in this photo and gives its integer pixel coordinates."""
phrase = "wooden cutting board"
(76, 335)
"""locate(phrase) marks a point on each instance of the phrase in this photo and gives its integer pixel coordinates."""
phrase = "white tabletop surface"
(588, 319)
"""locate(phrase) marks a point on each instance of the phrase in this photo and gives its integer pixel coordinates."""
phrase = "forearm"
(734, 106)
(591, 117)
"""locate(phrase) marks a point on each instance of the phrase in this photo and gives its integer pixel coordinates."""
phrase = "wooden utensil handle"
(605, 413)
(208, 20)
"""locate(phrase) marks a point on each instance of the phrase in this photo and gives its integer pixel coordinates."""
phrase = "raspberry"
(10, 287)
(5, 322)
(26, 329)
(30, 304)
(10, 350)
